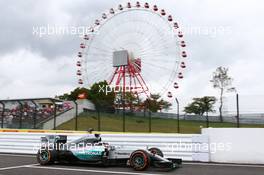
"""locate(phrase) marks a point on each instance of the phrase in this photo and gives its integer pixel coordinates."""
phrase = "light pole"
(237, 105)
(178, 115)
(207, 120)
(149, 116)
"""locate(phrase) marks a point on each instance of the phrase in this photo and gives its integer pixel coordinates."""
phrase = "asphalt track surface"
(27, 165)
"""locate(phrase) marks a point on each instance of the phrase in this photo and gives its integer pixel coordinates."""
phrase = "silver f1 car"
(90, 149)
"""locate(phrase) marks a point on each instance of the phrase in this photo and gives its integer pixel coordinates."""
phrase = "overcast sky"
(231, 35)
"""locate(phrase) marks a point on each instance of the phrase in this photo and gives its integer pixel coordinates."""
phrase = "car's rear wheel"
(156, 151)
(45, 157)
(139, 160)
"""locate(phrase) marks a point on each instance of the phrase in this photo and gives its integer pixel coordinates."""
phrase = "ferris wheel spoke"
(104, 56)
(159, 32)
(153, 54)
(172, 60)
(103, 49)
(99, 74)
(97, 69)
(165, 69)
(170, 67)
(159, 46)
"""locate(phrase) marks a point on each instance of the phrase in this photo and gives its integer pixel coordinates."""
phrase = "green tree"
(223, 82)
(132, 100)
(154, 103)
(102, 96)
(199, 106)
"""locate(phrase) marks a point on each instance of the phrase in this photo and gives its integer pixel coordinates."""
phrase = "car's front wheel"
(139, 160)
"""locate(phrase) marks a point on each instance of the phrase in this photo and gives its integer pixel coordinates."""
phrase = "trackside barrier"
(186, 146)
(246, 145)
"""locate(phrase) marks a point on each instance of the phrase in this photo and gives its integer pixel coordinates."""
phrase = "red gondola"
(155, 8)
(184, 55)
(111, 11)
(91, 29)
(104, 16)
(79, 72)
(120, 7)
(138, 4)
(170, 18)
(183, 65)
(183, 44)
(169, 94)
(180, 34)
(80, 81)
(82, 45)
(97, 22)
(146, 5)
(176, 26)
(176, 86)
(163, 13)
(78, 63)
(86, 37)
(180, 75)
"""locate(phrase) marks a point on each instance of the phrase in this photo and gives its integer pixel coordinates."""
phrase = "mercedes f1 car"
(90, 149)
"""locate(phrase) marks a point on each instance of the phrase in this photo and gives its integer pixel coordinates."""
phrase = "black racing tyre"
(156, 151)
(45, 157)
(139, 160)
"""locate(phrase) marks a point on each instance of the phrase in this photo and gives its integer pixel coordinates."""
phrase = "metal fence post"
(54, 114)
(178, 115)
(150, 122)
(124, 116)
(150, 118)
(237, 105)
(34, 114)
(98, 120)
(2, 115)
(21, 113)
(207, 120)
(76, 115)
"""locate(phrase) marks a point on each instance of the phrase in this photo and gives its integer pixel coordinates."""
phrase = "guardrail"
(173, 145)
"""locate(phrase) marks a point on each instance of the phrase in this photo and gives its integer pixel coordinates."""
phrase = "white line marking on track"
(93, 171)
(15, 167)
(222, 164)
(17, 155)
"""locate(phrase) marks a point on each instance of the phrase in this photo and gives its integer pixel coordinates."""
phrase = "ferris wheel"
(137, 47)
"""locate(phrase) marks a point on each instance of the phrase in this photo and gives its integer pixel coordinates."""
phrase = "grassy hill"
(112, 122)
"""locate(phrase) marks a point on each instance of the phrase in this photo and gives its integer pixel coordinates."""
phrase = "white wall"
(241, 145)
(85, 104)
(172, 145)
